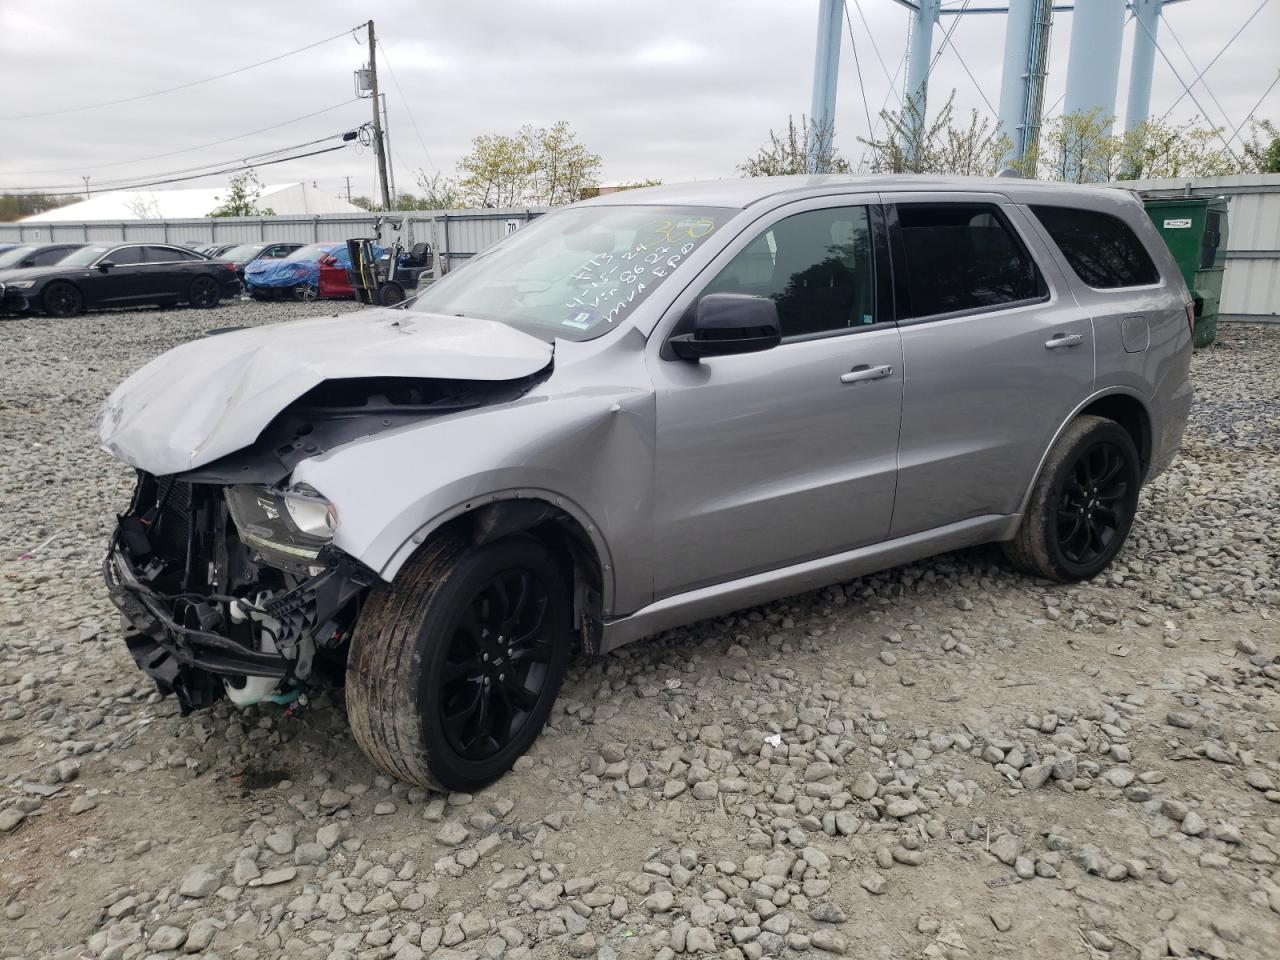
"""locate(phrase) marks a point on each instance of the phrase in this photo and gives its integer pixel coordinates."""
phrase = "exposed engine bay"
(226, 575)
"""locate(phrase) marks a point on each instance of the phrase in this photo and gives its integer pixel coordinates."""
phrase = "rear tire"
(455, 666)
(1082, 506)
(62, 299)
(204, 293)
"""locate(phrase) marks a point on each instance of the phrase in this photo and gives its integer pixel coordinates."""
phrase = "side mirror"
(728, 323)
(105, 265)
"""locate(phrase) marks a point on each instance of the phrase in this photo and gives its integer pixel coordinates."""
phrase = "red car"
(335, 282)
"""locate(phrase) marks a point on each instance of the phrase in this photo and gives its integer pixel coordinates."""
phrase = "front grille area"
(171, 526)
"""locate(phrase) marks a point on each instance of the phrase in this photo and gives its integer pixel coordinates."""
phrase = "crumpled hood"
(211, 397)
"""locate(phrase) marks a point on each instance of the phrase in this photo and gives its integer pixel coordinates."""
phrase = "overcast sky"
(671, 89)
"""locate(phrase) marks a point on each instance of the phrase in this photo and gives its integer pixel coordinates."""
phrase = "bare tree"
(912, 144)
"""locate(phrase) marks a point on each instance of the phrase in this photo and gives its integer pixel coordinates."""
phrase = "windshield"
(310, 253)
(84, 256)
(576, 273)
(246, 251)
(10, 257)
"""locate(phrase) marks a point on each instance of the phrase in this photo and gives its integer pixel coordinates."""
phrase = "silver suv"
(639, 411)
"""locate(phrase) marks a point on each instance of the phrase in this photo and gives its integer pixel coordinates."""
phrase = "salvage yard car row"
(65, 279)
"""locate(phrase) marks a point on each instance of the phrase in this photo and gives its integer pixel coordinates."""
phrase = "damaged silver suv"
(639, 411)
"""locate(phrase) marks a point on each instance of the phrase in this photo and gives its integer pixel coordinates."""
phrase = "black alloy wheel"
(497, 664)
(204, 293)
(62, 299)
(455, 665)
(1092, 503)
(1082, 505)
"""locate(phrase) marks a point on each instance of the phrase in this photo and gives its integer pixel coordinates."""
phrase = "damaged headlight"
(290, 525)
(311, 513)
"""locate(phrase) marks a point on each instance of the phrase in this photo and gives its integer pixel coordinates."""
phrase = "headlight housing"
(287, 527)
(21, 284)
(311, 513)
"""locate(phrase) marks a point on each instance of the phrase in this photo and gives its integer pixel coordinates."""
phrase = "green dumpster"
(1195, 228)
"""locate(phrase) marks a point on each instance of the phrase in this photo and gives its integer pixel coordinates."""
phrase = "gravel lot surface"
(944, 760)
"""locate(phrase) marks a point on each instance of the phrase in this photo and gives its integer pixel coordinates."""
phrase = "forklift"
(385, 280)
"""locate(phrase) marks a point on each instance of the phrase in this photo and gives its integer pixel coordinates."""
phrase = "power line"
(253, 159)
(181, 86)
(946, 41)
(1209, 66)
(213, 173)
(407, 109)
(1200, 73)
(171, 153)
(862, 88)
(1235, 133)
(893, 81)
(1178, 77)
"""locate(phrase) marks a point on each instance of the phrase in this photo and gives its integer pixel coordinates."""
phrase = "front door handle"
(866, 372)
(1063, 340)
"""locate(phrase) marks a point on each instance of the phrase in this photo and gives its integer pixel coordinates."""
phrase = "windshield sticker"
(610, 282)
(583, 320)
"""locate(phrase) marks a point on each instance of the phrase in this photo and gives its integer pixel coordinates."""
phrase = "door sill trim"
(721, 598)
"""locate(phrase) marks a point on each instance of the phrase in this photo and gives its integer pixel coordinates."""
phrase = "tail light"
(1191, 316)
(230, 266)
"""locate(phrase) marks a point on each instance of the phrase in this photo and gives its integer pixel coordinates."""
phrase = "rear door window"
(1101, 249)
(962, 257)
(125, 255)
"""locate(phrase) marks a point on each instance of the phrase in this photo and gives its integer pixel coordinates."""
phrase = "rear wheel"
(1083, 504)
(62, 299)
(454, 667)
(307, 292)
(204, 293)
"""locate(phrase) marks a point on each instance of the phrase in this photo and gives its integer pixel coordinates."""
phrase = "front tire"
(1083, 503)
(454, 667)
(62, 299)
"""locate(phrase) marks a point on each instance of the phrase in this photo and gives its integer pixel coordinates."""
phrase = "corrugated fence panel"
(455, 234)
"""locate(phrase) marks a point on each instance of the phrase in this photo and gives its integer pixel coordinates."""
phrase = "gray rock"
(1006, 848)
(200, 881)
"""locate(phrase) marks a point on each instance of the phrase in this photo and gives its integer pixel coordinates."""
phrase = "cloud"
(672, 89)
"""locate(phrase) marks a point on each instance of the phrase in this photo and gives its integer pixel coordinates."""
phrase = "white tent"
(284, 199)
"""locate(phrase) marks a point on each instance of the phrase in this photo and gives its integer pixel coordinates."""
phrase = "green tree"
(15, 206)
(1155, 149)
(363, 202)
(438, 192)
(535, 166)
(242, 197)
(1262, 149)
(788, 152)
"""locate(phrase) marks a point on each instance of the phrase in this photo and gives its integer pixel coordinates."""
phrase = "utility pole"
(86, 187)
(386, 149)
(378, 147)
(348, 189)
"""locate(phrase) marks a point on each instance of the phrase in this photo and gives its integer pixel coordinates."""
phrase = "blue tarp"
(292, 273)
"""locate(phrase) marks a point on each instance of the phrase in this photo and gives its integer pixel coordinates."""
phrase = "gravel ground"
(943, 760)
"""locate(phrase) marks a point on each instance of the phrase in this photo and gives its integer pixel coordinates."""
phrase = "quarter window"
(1101, 249)
(962, 256)
(816, 266)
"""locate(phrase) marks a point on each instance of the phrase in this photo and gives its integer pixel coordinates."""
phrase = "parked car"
(309, 273)
(118, 275)
(35, 255)
(247, 253)
(636, 412)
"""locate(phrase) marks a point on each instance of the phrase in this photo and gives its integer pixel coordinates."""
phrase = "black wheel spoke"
(494, 674)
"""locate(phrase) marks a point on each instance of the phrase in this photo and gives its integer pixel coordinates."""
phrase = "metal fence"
(1251, 284)
(454, 235)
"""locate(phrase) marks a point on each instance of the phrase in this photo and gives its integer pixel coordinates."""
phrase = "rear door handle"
(865, 372)
(1063, 340)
